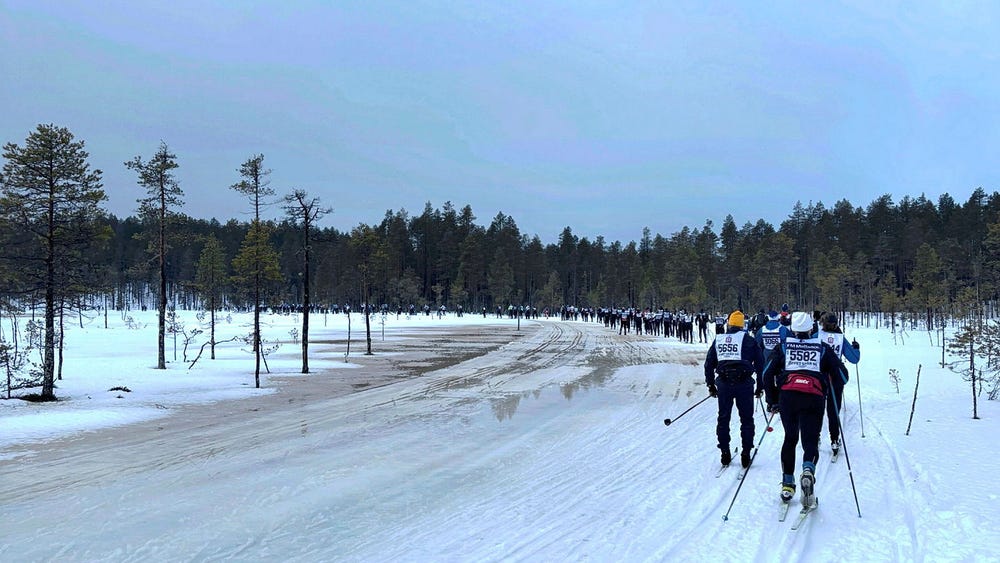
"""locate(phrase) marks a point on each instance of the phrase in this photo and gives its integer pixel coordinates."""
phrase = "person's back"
(771, 335)
(730, 366)
(797, 381)
(830, 334)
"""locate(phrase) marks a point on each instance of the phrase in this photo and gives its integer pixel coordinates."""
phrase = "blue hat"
(784, 307)
(772, 315)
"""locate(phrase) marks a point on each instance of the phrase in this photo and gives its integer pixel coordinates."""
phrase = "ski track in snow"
(551, 447)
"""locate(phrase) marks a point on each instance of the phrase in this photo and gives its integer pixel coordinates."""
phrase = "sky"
(606, 118)
(551, 447)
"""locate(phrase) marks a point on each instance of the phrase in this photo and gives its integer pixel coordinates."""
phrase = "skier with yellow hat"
(730, 366)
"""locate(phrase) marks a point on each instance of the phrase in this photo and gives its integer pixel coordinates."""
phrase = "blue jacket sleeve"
(851, 354)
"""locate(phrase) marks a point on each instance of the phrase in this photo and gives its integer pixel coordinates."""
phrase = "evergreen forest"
(929, 259)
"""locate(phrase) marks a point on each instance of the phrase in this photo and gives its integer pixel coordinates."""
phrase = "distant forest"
(926, 258)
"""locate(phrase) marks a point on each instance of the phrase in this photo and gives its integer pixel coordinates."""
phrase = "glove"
(855, 345)
(712, 391)
(773, 409)
(759, 392)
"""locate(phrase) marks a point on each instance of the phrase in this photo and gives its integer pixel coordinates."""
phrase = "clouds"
(667, 115)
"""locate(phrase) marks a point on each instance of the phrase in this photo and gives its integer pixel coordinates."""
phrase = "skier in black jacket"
(797, 380)
(730, 366)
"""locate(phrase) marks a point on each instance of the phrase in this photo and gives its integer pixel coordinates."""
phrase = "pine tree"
(210, 279)
(162, 194)
(49, 191)
(256, 265)
(305, 211)
(928, 292)
(968, 343)
(254, 257)
(370, 258)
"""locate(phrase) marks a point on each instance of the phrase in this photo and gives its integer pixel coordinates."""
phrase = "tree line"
(61, 249)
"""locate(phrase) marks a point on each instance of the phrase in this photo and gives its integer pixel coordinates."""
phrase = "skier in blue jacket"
(771, 334)
(730, 366)
(831, 334)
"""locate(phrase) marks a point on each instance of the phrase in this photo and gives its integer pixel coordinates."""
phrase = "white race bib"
(834, 339)
(803, 355)
(771, 337)
(729, 347)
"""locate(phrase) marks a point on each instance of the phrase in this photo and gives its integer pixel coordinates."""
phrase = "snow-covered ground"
(547, 444)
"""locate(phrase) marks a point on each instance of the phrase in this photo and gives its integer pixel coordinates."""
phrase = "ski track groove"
(897, 472)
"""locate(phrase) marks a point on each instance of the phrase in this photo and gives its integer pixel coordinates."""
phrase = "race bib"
(803, 355)
(833, 339)
(729, 347)
(770, 338)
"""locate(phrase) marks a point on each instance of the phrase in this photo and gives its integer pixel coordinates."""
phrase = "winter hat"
(736, 318)
(829, 321)
(784, 307)
(801, 322)
(772, 315)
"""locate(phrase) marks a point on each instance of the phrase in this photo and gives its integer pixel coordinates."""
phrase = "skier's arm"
(758, 363)
(711, 361)
(775, 364)
(851, 354)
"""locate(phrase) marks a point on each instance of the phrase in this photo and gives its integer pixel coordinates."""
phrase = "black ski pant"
(801, 415)
(740, 393)
(834, 402)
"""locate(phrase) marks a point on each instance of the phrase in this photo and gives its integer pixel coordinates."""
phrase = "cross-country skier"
(729, 372)
(797, 381)
(771, 335)
(831, 335)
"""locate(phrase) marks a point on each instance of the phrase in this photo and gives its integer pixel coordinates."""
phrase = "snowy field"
(540, 444)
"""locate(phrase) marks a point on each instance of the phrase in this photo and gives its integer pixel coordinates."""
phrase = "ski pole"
(857, 377)
(725, 517)
(763, 411)
(669, 421)
(847, 456)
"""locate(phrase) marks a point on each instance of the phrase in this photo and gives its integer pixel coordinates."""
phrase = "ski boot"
(787, 492)
(835, 446)
(727, 457)
(807, 481)
(745, 458)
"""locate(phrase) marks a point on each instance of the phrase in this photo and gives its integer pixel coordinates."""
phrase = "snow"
(546, 445)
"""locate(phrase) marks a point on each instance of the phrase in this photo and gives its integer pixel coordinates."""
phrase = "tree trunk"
(62, 338)
(48, 360)
(368, 324)
(305, 302)
(972, 364)
(256, 329)
(161, 360)
(211, 324)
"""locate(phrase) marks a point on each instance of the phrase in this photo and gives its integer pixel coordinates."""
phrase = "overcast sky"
(602, 118)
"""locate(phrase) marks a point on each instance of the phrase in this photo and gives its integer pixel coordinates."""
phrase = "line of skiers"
(794, 361)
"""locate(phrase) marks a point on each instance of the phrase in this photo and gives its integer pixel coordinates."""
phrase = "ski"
(725, 467)
(803, 513)
(783, 511)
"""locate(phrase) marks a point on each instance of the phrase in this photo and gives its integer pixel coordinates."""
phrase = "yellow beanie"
(736, 318)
